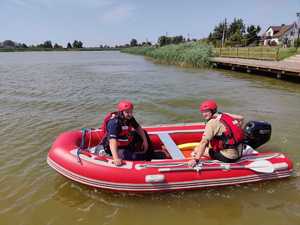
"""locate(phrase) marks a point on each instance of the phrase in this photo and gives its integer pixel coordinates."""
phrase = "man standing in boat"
(122, 131)
(222, 136)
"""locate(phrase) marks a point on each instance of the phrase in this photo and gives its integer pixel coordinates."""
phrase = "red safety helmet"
(125, 105)
(208, 105)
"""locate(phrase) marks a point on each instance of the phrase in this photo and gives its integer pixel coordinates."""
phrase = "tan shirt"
(216, 128)
(213, 128)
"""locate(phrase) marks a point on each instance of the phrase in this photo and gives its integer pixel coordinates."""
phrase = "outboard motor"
(257, 133)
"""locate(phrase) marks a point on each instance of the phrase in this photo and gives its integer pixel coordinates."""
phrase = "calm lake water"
(44, 94)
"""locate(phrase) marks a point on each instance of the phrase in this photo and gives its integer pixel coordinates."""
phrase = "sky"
(114, 22)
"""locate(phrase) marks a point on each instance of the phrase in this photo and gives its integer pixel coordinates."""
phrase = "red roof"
(278, 31)
(283, 30)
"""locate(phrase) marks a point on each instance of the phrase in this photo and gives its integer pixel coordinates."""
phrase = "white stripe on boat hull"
(195, 184)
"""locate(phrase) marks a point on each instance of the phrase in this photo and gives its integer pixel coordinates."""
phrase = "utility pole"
(223, 35)
(298, 28)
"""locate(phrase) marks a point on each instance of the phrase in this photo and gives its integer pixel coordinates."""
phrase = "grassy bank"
(287, 52)
(193, 54)
(261, 53)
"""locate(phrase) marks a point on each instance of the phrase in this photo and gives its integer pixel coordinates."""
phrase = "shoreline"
(57, 49)
(172, 55)
(194, 55)
(283, 70)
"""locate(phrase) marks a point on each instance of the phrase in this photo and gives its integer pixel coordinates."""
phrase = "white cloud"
(117, 14)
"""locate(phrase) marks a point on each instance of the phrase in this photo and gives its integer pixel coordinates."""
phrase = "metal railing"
(264, 53)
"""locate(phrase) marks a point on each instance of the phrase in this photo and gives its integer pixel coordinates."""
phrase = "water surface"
(44, 94)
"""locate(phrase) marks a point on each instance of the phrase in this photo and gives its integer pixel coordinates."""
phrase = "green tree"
(8, 44)
(77, 44)
(69, 45)
(177, 39)
(233, 34)
(216, 36)
(164, 40)
(57, 46)
(237, 26)
(133, 42)
(251, 37)
(47, 44)
(236, 32)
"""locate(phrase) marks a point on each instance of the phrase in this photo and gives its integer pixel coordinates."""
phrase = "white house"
(284, 34)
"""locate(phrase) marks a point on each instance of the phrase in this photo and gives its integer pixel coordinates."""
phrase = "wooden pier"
(281, 69)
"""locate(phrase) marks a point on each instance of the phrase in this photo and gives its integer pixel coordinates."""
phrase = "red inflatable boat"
(170, 174)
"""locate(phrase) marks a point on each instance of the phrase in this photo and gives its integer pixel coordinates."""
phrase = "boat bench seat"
(170, 145)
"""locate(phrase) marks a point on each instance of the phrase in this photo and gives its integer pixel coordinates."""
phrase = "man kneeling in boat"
(222, 136)
(122, 131)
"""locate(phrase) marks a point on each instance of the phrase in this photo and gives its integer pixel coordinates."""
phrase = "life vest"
(123, 136)
(231, 138)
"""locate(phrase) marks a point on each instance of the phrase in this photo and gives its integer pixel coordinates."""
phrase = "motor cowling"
(257, 133)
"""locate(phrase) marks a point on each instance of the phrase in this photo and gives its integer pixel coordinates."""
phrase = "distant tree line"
(47, 45)
(134, 43)
(234, 34)
(167, 40)
(162, 41)
(12, 44)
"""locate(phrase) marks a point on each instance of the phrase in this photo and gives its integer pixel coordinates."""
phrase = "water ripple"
(45, 94)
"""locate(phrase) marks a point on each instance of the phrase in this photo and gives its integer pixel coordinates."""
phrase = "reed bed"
(191, 54)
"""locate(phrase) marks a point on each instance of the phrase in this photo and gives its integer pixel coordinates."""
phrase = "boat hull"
(170, 174)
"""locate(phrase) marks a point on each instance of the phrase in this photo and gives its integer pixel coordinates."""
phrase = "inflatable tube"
(75, 156)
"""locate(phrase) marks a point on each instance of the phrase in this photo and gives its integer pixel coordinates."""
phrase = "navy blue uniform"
(124, 131)
(114, 127)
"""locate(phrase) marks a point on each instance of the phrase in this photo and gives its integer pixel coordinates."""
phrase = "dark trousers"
(131, 151)
(219, 156)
